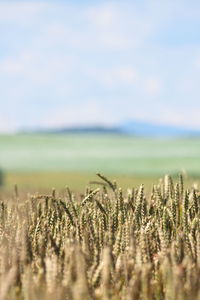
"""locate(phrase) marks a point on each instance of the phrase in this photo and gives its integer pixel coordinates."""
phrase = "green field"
(39, 159)
(87, 153)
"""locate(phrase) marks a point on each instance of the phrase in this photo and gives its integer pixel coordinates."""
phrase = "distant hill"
(146, 129)
(134, 128)
(80, 130)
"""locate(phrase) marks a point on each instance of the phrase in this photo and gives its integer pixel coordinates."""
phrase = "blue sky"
(99, 62)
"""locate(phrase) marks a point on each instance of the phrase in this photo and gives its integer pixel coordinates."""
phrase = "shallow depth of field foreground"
(103, 244)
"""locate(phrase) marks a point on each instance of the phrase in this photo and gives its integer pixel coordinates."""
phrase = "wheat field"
(105, 243)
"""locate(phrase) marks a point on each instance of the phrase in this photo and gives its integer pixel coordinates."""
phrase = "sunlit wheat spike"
(90, 196)
(99, 205)
(53, 193)
(67, 212)
(16, 191)
(69, 193)
(110, 184)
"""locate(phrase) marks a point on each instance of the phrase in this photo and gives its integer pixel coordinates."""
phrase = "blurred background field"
(42, 161)
(123, 75)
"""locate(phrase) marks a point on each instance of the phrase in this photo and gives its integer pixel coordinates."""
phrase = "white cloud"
(38, 67)
(20, 12)
(187, 119)
(83, 114)
(125, 74)
(10, 66)
(197, 62)
(7, 125)
(103, 16)
(168, 116)
(153, 86)
(116, 77)
(88, 36)
(116, 27)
